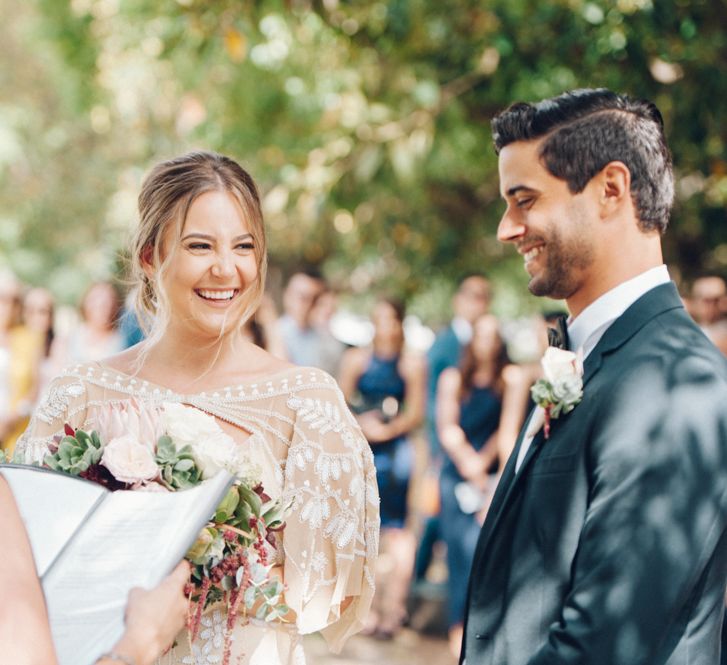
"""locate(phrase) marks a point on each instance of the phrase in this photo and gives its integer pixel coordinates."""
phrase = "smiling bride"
(199, 262)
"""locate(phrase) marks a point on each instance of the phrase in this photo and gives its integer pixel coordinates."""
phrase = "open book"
(91, 546)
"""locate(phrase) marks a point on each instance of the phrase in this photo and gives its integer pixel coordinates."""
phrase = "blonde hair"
(166, 195)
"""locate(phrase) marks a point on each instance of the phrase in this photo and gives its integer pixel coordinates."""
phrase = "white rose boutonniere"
(561, 387)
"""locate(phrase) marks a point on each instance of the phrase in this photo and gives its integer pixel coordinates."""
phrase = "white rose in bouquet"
(214, 454)
(128, 460)
(212, 448)
(188, 426)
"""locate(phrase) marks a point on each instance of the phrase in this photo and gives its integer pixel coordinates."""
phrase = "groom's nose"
(509, 229)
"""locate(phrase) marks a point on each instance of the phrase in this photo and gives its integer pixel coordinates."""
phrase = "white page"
(52, 508)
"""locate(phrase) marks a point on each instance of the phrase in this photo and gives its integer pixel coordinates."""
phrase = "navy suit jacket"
(608, 546)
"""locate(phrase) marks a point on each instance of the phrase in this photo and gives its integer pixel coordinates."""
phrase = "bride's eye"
(246, 246)
(198, 245)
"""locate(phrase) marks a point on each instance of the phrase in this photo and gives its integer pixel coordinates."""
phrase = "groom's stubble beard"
(568, 256)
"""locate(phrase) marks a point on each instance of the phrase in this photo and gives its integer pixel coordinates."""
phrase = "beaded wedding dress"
(311, 451)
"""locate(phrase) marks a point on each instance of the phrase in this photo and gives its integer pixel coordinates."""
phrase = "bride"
(199, 260)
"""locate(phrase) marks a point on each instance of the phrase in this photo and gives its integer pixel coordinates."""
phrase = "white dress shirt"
(586, 330)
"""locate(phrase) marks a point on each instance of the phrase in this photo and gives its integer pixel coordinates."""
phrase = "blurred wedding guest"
(129, 325)
(707, 304)
(469, 403)
(708, 300)
(20, 353)
(262, 329)
(97, 336)
(470, 301)
(386, 387)
(324, 309)
(153, 617)
(38, 316)
(305, 344)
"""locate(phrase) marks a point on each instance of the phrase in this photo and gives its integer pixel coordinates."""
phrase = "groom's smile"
(530, 253)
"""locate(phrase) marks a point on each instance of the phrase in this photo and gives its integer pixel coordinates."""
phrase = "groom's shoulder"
(670, 351)
(683, 344)
(667, 383)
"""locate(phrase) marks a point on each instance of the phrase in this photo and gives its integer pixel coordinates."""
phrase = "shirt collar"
(588, 327)
(462, 330)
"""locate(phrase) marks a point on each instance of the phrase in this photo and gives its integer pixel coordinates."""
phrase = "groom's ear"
(613, 187)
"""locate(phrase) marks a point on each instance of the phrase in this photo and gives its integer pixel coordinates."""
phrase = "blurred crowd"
(441, 421)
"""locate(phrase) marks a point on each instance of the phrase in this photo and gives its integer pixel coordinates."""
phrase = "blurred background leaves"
(366, 125)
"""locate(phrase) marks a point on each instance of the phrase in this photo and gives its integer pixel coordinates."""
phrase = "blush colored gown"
(310, 450)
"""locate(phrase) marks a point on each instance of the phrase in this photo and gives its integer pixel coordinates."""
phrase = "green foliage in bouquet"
(76, 452)
(230, 557)
(177, 466)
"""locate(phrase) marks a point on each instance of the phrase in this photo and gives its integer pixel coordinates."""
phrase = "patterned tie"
(558, 335)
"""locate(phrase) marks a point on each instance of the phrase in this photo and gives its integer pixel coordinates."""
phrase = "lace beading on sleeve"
(331, 537)
(64, 402)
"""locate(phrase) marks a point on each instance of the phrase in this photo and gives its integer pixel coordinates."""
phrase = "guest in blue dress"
(386, 388)
(469, 403)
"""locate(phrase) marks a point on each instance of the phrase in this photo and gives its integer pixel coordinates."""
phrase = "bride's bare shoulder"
(263, 363)
(126, 362)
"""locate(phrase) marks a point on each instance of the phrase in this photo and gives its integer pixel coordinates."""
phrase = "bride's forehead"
(215, 212)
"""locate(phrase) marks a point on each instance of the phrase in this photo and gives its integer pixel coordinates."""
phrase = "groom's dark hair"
(586, 129)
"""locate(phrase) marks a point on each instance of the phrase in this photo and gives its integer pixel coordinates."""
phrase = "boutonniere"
(560, 389)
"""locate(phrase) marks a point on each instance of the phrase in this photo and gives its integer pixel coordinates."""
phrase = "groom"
(605, 543)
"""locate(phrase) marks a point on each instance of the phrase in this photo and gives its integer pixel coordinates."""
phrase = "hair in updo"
(164, 201)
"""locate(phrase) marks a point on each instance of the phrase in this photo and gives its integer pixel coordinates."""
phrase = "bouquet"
(234, 554)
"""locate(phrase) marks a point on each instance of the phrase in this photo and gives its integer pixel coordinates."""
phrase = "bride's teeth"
(217, 295)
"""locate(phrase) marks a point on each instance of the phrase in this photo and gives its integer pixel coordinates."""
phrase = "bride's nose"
(224, 265)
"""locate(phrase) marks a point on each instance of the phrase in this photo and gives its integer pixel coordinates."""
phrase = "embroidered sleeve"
(64, 402)
(331, 537)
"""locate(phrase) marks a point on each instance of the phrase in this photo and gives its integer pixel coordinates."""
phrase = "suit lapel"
(660, 299)
(508, 474)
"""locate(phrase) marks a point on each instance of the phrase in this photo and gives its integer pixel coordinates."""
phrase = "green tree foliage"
(365, 123)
